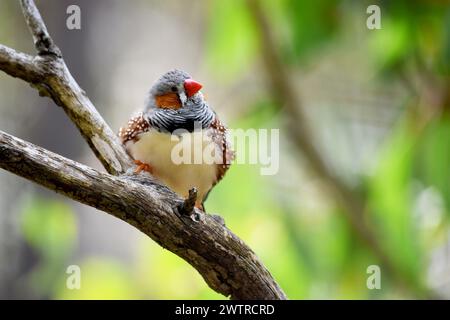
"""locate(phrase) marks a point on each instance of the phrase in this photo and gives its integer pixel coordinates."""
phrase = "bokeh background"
(375, 106)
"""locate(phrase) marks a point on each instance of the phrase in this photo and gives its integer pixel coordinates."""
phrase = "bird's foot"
(141, 166)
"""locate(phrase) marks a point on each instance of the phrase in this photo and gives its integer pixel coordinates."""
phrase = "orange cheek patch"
(168, 101)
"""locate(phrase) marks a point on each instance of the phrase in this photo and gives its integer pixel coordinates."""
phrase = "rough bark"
(228, 265)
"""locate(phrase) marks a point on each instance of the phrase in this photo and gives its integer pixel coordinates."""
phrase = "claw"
(143, 166)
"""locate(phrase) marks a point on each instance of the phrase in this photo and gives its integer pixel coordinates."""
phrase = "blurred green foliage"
(231, 38)
(100, 279)
(311, 24)
(421, 29)
(50, 228)
(392, 199)
(433, 158)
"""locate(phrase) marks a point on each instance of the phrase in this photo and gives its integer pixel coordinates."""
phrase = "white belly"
(156, 149)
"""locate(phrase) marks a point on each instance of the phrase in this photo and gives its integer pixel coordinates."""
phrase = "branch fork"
(227, 265)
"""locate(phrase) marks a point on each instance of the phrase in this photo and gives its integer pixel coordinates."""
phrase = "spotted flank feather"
(220, 137)
(136, 125)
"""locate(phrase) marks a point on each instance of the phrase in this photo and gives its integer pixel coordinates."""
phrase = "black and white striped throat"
(172, 120)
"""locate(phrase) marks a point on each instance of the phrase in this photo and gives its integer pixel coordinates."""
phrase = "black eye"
(174, 89)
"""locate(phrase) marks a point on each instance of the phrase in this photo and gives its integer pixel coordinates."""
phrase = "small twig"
(188, 205)
(42, 41)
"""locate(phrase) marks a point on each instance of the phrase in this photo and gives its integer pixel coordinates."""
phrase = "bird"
(176, 111)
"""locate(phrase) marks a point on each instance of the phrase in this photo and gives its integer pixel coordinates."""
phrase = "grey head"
(175, 102)
(170, 82)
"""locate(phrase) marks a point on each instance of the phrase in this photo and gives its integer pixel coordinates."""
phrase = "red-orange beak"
(191, 87)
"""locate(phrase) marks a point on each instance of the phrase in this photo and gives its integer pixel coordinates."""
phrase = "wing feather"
(220, 137)
(135, 126)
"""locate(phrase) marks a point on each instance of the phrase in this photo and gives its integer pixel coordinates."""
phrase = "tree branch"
(225, 262)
